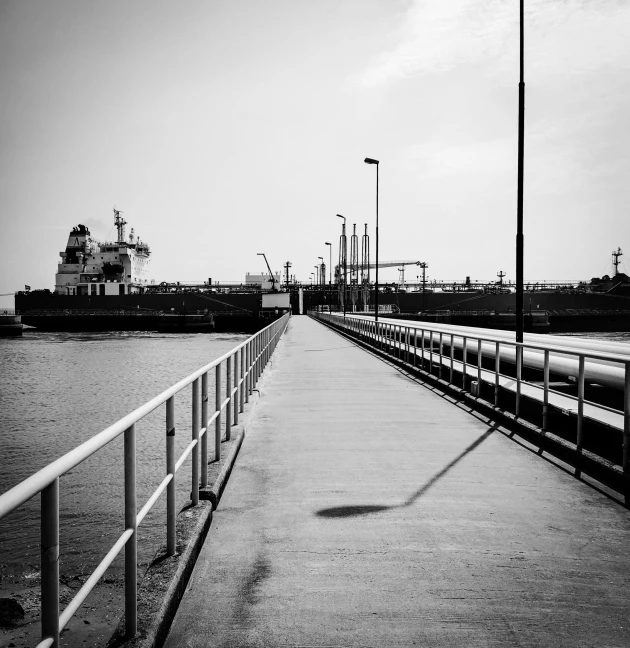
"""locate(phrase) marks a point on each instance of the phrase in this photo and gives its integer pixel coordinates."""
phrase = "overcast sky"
(223, 128)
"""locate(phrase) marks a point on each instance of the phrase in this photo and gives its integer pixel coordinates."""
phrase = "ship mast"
(120, 225)
(616, 256)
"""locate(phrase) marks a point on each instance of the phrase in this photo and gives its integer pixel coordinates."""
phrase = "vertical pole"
(242, 380)
(497, 372)
(464, 360)
(131, 547)
(50, 561)
(545, 425)
(422, 348)
(217, 421)
(441, 355)
(415, 346)
(452, 354)
(204, 423)
(376, 280)
(519, 374)
(407, 343)
(479, 359)
(430, 352)
(228, 395)
(519, 208)
(170, 470)
(580, 420)
(194, 493)
(248, 370)
(235, 406)
(626, 433)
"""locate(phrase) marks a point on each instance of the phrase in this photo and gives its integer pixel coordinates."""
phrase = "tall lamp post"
(329, 279)
(372, 161)
(519, 207)
(345, 263)
(322, 279)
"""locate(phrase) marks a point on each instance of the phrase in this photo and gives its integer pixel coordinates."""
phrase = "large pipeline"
(608, 370)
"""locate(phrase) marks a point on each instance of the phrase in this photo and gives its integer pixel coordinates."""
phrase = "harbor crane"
(273, 280)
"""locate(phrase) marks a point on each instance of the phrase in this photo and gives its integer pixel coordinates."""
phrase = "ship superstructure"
(89, 267)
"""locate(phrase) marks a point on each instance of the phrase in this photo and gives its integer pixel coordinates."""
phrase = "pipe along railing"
(433, 348)
(243, 365)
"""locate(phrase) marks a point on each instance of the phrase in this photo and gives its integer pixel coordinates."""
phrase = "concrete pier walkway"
(365, 509)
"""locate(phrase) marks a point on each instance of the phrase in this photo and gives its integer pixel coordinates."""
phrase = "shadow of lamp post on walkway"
(366, 509)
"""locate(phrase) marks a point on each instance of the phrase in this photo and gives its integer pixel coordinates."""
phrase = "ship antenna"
(616, 256)
(120, 225)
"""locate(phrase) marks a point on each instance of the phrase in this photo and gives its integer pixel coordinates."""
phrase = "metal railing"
(243, 366)
(433, 347)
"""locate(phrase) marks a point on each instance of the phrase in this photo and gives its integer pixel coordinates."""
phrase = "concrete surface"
(365, 509)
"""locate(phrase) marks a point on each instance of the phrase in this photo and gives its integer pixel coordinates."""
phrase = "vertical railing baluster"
(217, 421)
(204, 424)
(236, 399)
(464, 360)
(242, 380)
(248, 371)
(50, 562)
(170, 470)
(479, 359)
(545, 412)
(519, 375)
(580, 417)
(452, 354)
(497, 372)
(415, 346)
(625, 462)
(431, 352)
(194, 494)
(422, 349)
(131, 546)
(441, 357)
(228, 395)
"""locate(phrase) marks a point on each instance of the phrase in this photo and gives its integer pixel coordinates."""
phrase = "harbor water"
(58, 390)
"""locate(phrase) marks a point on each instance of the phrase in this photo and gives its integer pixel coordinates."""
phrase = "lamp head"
(370, 161)
(328, 243)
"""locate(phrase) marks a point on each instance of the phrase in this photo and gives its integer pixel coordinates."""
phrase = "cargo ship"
(106, 286)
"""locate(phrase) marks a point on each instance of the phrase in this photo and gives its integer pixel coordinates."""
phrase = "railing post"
(204, 423)
(479, 359)
(441, 357)
(497, 372)
(626, 433)
(50, 561)
(237, 397)
(131, 547)
(217, 421)
(170, 470)
(452, 354)
(519, 374)
(545, 412)
(228, 395)
(415, 346)
(242, 380)
(431, 352)
(464, 361)
(194, 495)
(248, 370)
(580, 419)
(422, 348)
